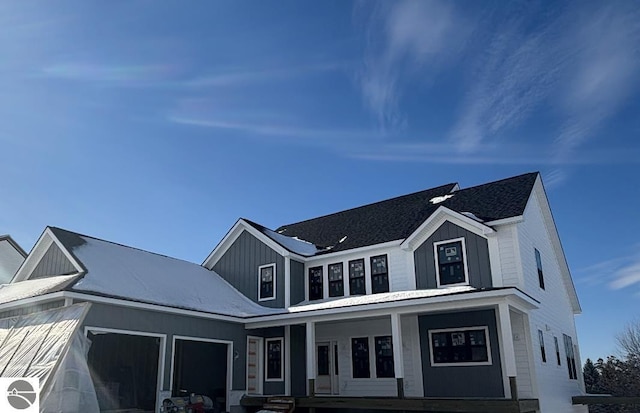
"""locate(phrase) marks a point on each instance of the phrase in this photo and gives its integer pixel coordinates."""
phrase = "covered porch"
(459, 352)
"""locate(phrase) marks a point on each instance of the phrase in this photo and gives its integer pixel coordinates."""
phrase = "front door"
(326, 368)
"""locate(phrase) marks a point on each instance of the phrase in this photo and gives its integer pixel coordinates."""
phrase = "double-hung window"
(571, 358)
(336, 282)
(384, 357)
(360, 357)
(266, 280)
(555, 341)
(539, 265)
(275, 367)
(379, 274)
(543, 353)
(315, 283)
(356, 277)
(451, 267)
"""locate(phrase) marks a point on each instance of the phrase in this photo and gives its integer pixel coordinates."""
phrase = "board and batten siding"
(555, 314)
(297, 282)
(277, 386)
(53, 262)
(298, 360)
(239, 266)
(476, 254)
(461, 381)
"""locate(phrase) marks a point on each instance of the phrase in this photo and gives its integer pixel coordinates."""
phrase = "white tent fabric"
(35, 345)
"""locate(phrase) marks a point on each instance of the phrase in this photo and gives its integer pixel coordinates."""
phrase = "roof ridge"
(452, 184)
(123, 245)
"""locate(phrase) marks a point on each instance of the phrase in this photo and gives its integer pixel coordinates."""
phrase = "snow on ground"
(125, 272)
(33, 288)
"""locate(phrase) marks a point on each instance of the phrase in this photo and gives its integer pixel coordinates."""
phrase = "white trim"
(507, 348)
(396, 342)
(487, 340)
(31, 300)
(353, 251)
(229, 345)
(495, 261)
(275, 279)
(259, 364)
(310, 341)
(161, 353)
(266, 359)
(435, 220)
(287, 358)
(506, 221)
(150, 307)
(287, 282)
(464, 262)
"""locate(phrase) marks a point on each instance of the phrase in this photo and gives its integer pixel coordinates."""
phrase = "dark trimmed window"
(274, 358)
(384, 357)
(336, 282)
(356, 277)
(571, 358)
(555, 341)
(542, 351)
(267, 277)
(360, 357)
(379, 274)
(450, 257)
(460, 346)
(539, 265)
(315, 283)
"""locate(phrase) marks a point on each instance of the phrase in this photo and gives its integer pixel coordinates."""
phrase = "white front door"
(326, 368)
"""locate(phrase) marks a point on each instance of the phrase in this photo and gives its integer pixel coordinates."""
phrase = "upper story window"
(379, 274)
(275, 367)
(315, 283)
(356, 277)
(460, 347)
(266, 282)
(336, 282)
(555, 341)
(571, 358)
(539, 265)
(543, 353)
(451, 265)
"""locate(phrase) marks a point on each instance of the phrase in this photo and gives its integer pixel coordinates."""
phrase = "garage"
(124, 368)
(201, 366)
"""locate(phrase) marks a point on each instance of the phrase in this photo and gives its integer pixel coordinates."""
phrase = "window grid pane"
(451, 263)
(379, 274)
(356, 277)
(336, 282)
(360, 357)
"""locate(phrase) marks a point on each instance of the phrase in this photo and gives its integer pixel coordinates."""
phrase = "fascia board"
(36, 253)
(441, 214)
(58, 295)
(68, 254)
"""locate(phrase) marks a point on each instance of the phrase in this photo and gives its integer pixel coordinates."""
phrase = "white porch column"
(398, 357)
(507, 352)
(287, 358)
(311, 359)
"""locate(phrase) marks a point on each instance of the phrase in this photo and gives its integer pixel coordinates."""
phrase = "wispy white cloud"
(122, 74)
(617, 273)
(404, 38)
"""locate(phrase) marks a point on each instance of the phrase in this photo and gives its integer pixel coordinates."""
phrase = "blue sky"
(158, 124)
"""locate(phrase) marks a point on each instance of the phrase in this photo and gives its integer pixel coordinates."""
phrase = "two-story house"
(444, 299)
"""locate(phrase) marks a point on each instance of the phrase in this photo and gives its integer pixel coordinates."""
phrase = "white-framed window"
(274, 350)
(451, 262)
(543, 352)
(336, 280)
(357, 277)
(267, 282)
(539, 267)
(571, 358)
(379, 274)
(465, 346)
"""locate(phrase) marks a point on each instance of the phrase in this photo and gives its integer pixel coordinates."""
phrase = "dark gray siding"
(239, 266)
(297, 282)
(54, 262)
(477, 255)
(461, 381)
(122, 318)
(298, 361)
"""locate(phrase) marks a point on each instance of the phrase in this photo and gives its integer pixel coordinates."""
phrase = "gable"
(53, 262)
(11, 257)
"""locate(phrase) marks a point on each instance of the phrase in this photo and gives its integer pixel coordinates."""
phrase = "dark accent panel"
(201, 368)
(298, 360)
(476, 254)
(239, 266)
(297, 282)
(461, 381)
(53, 262)
(108, 316)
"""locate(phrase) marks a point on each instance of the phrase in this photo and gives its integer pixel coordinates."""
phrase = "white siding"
(555, 315)
(413, 386)
(523, 378)
(10, 261)
(507, 246)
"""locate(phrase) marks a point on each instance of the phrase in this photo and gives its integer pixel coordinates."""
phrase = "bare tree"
(629, 339)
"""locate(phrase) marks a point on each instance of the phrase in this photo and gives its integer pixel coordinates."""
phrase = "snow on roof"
(439, 199)
(377, 298)
(293, 244)
(118, 271)
(472, 216)
(33, 288)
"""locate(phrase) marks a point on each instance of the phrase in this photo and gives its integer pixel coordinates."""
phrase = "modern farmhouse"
(448, 299)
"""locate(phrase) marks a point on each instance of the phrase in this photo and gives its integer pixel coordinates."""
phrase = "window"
(315, 283)
(451, 268)
(460, 347)
(267, 278)
(356, 277)
(379, 274)
(360, 357)
(539, 265)
(384, 357)
(571, 358)
(336, 283)
(542, 352)
(555, 341)
(274, 359)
